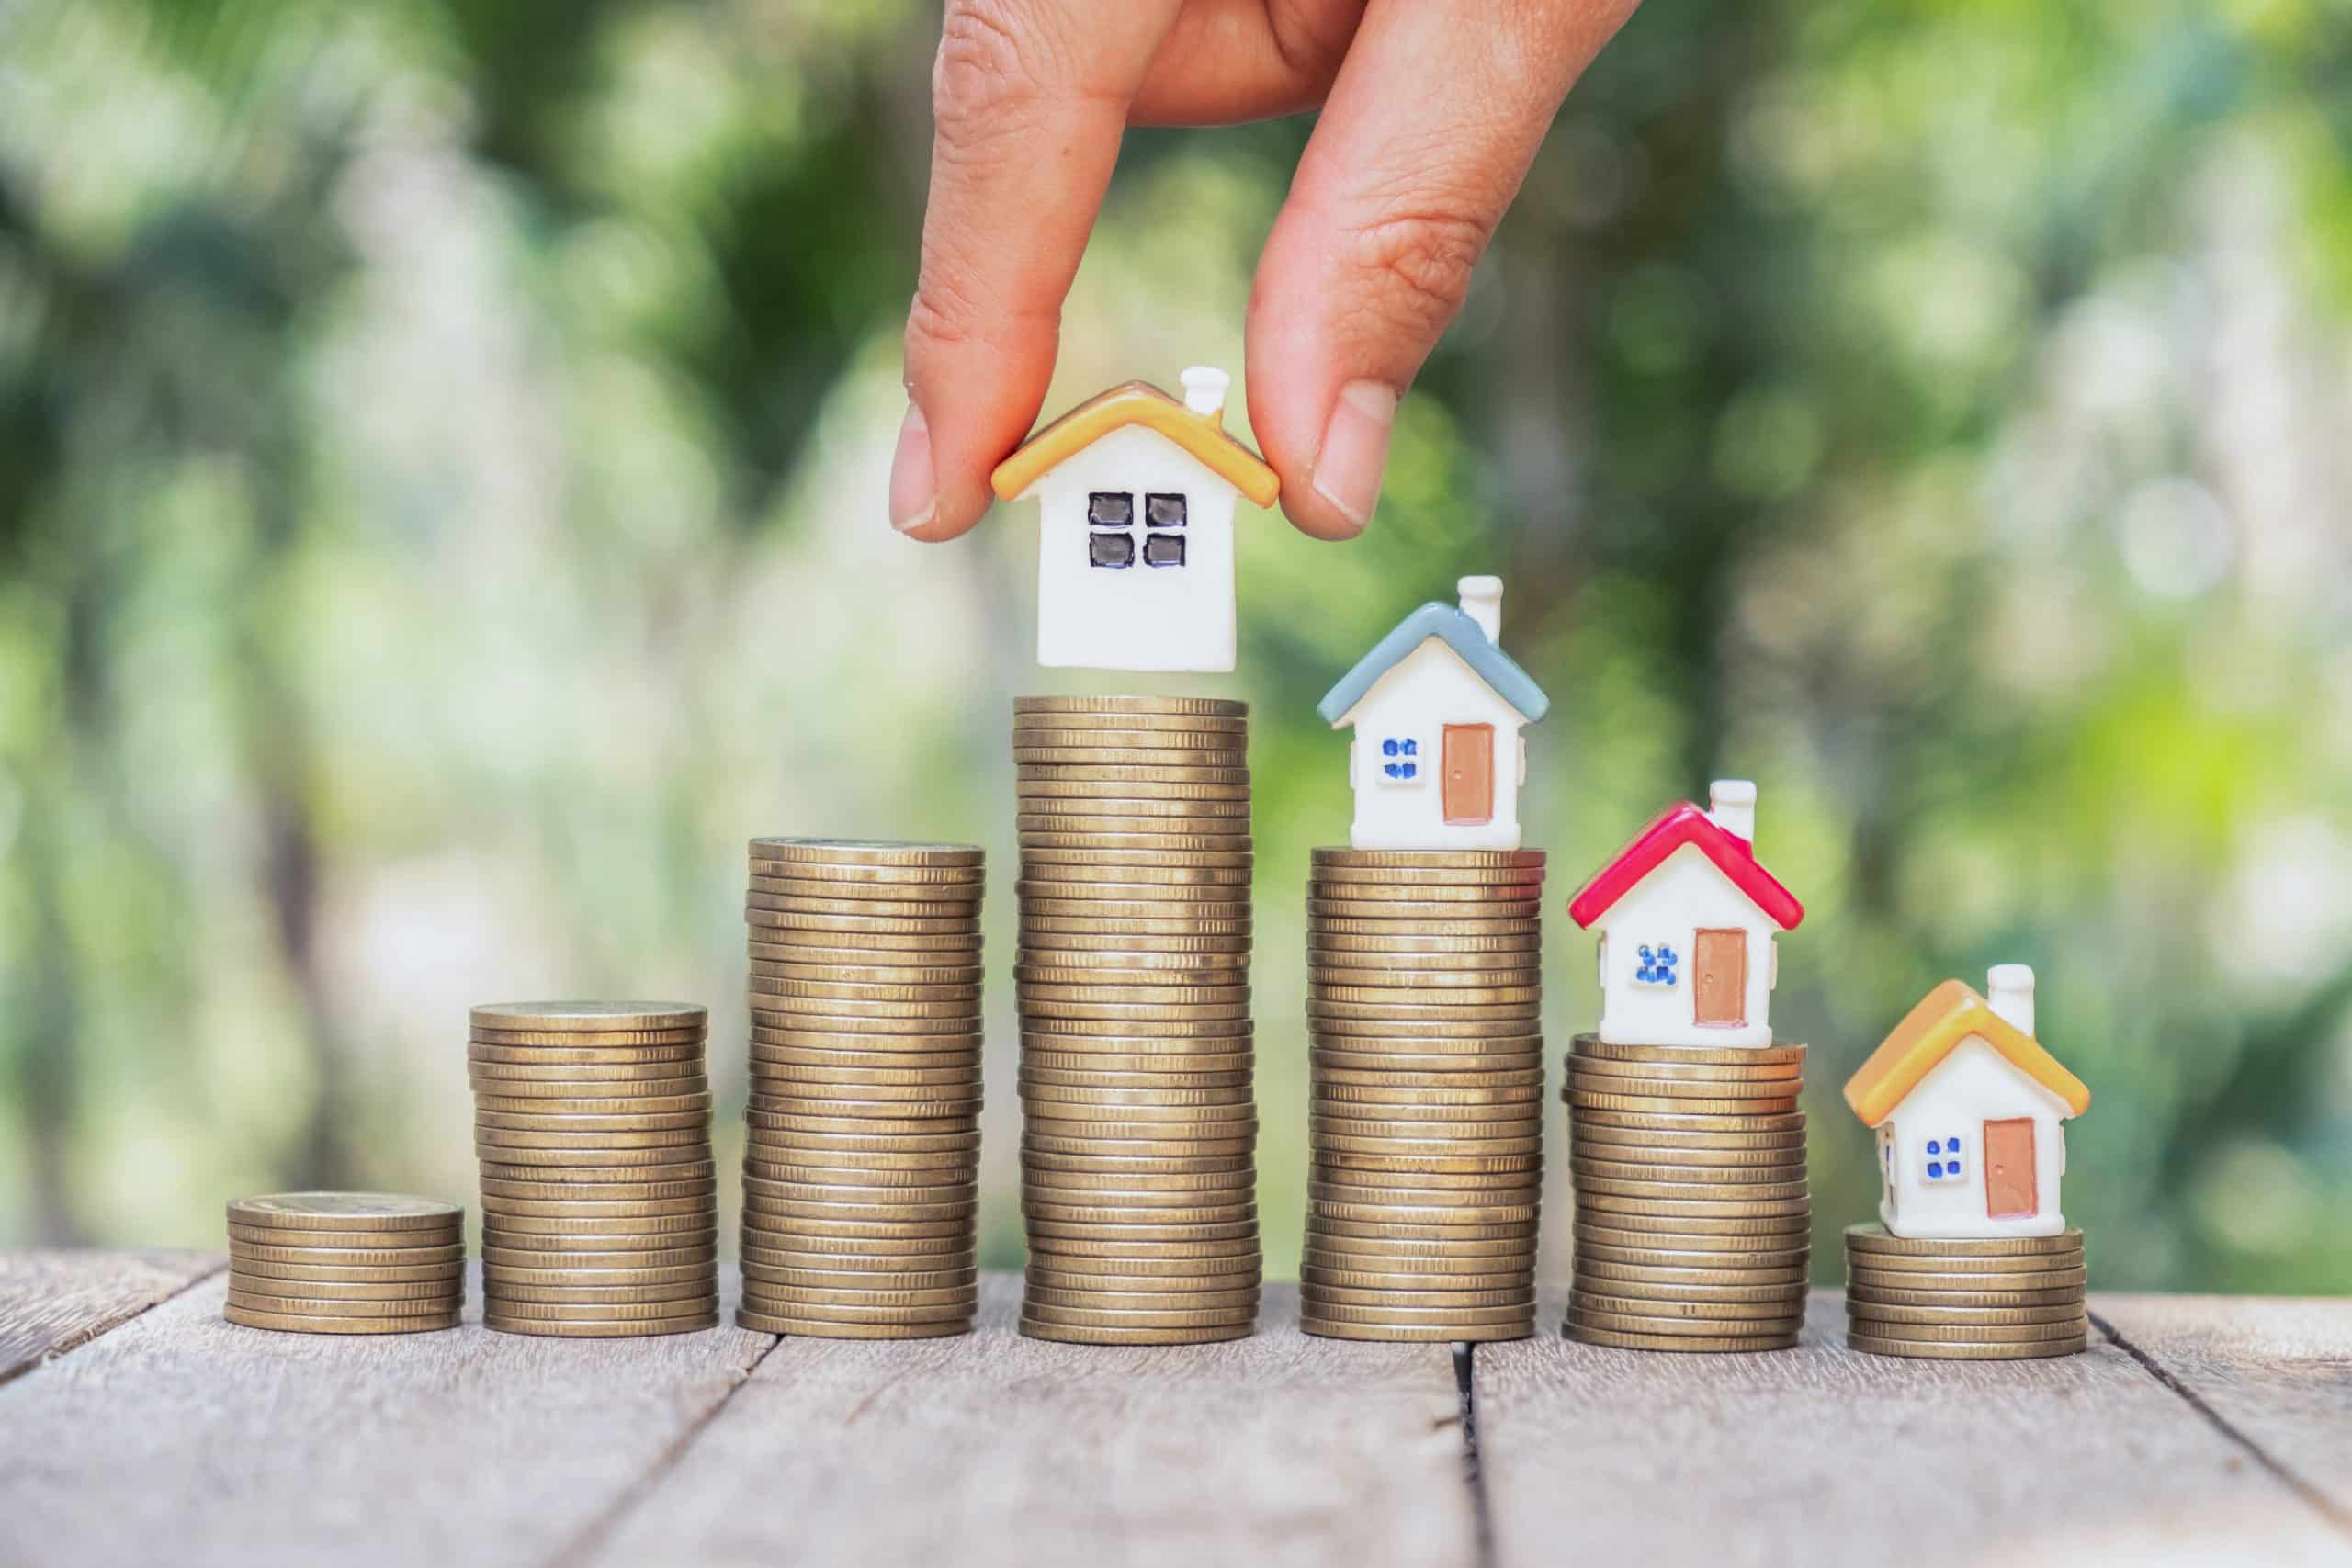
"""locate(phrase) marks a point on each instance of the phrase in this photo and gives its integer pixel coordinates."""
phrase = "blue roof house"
(1437, 708)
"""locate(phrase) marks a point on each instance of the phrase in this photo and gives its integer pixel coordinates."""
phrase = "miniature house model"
(1687, 917)
(1438, 760)
(1134, 561)
(1968, 1108)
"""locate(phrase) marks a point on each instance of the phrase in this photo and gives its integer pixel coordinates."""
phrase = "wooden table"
(137, 1428)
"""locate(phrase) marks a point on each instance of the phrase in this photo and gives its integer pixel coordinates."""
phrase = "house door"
(1719, 979)
(2010, 1190)
(1469, 775)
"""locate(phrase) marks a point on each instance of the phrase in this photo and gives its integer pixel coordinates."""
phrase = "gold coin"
(1924, 1271)
(1618, 1155)
(1125, 1028)
(791, 1143)
(1417, 913)
(1424, 986)
(1587, 1334)
(1041, 1230)
(1454, 928)
(1165, 1099)
(509, 1295)
(1106, 1069)
(772, 1078)
(890, 1301)
(2024, 1350)
(1038, 929)
(1710, 1117)
(955, 910)
(379, 1246)
(626, 1121)
(1589, 1201)
(1618, 1142)
(607, 1192)
(293, 1323)
(863, 1170)
(838, 926)
(1420, 1316)
(1410, 1297)
(1328, 1145)
(1347, 1096)
(579, 1256)
(1429, 1123)
(1126, 1205)
(876, 875)
(853, 991)
(1526, 1072)
(1132, 901)
(1033, 794)
(685, 1076)
(538, 1276)
(589, 1017)
(698, 1169)
(1179, 812)
(1235, 1080)
(1432, 1206)
(805, 1094)
(697, 1132)
(438, 1306)
(1193, 764)
(857, 1274)
(1741, 1194)
(1422, 1223)
(633, 1328)
(1330, 947)
(644, 1230)
(861, 1055)
(1692, 1226)
(1039, 1312)
(1067, 966)
(1593, 1046)
(1633, 1077)
(872, 897)
(2075, 1327)
(784, 944)
(2024, 1296)
(1035, 1008)
(1659, 1252)
(761, 1322)
(1164, 1142)
(1782, 1094)
(1211, 708)
(1332, 1246)
(1375, 1272)
(1120, 834)
(1167, 989)
(1115, 1167)
(776, 1010)
(820, 1311)
(609, 1209)
(1663, 1105)
(1866, 1313)
(1409, 881)
(1786, 1298)
(951, 1250)
(1526, 1050)
(245, 1252)
(343, 1211)
(1354, 1182)
(1422, 1068)
(1039, 731)
(906, 1201)
(525, 1309)
(1668, 1328)
(1472, 1167)
(242, 1267)
(1170, 1306)
(2065, 1278)
(1667, 1169)
(1074, 1333)
(809, 1229)
(1873, 1238)
(678, 1060)
(613, 1105)
(1227, 866)
(866, 852)
(1718, 1314)
(1434, 859)
(441, 1293)
(896, 1128)
(1406, 1334)
(854, 966)
(559, 1046)
(871, 1035)
(1734, 1272)
(1147, 773)
(1428, 1032)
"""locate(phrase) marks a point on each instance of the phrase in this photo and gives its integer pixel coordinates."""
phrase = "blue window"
(1944, 1160)
(1400, 759)
(1657, 964)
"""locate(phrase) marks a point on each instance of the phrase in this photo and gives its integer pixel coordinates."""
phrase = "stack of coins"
(861, 1175)
(1693, 1227)
(346, 1263)
(1139, 1122)
(1990, 1298)
(599, 1197)
(1426, 1131)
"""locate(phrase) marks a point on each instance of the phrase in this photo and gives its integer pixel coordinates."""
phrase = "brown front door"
(1719, 979)
(1469, 775)
(2010, 1192)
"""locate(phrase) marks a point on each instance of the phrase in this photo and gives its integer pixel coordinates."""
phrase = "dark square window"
(1110, 549)
(1164, 511)
(1163, 549)
(1110, 509)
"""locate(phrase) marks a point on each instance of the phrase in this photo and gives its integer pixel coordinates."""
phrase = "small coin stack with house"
(1138, 1119)
(861, 1173)
(1426, 1126)
(1687, 1148)
(346, 1263)
(599, 1197)
(1973, 1259)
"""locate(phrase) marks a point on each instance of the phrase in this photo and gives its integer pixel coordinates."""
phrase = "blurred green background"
(442, 463)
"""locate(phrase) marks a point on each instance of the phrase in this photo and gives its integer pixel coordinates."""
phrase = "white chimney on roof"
(2009, 988)
(1731, 805)
(1204, 387)
(1482, 600)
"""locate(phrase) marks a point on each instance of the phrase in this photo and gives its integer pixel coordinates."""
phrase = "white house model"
(1135, 559)
(1685, 918)
(1438, 760)
(1968, 1111)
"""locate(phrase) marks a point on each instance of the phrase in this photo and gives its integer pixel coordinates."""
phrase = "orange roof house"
(1968, 1107)
(1136, 493)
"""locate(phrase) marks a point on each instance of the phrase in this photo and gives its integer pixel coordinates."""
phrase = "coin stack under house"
(1426, 1128)
(599, 1199)
(1693, 1220)
(861, 1173)
(346, 1263)
(2012, 1298)
(1138, 1118)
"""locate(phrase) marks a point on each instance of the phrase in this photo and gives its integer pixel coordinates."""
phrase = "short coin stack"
(860, 1178)
(1988, 1299)
(346, 1263)
(1425, 1129)
(599, 1197)
(1140, 1120)
(1693, 1223)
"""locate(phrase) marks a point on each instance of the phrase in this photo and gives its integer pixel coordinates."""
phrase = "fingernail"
(914, 488)
(1354, 455)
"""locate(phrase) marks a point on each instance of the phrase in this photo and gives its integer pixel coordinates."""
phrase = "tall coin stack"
(1693, 1226)
(1139, 1122)
(1425, 1129)
(1987, 1299)
(861, 1175)
(346, 1263)
(599, 1198)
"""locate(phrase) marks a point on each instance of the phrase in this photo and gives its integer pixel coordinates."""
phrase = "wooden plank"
(1825, 1456)
(2277, 1373)
(999, 1449)
(182, 1438)
(52, 1302)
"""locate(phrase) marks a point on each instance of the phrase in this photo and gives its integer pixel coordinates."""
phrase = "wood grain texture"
(2277, 1372)
(994, 1448)
(1823, 1456)
(52, 1303)
(181, 1438)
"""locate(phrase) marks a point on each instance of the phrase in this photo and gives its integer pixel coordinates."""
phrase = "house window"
(1658, 964)
(1946, 1161)
(1163, 549)
(1161, 511)
(1115, 540)
(1110, 549)
(1401, 760)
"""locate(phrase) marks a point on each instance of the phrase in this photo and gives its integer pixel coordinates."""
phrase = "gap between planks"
(2327, 1508)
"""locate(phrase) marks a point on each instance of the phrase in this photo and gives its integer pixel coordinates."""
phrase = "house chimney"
(2009, 988)
(1730, 804)
(1482, 600)
(1204, 387)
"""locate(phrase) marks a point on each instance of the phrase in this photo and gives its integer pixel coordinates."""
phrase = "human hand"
(1431, 111)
